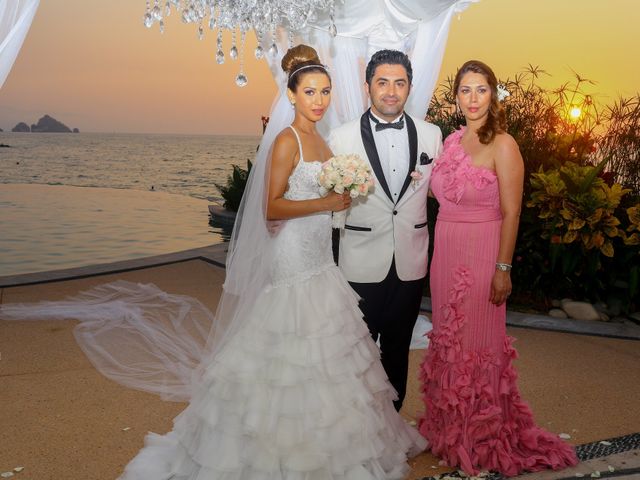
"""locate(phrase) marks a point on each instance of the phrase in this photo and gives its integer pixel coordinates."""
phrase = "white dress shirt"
(393, 149)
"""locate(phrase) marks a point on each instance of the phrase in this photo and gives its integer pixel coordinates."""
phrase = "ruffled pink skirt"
(474, 416)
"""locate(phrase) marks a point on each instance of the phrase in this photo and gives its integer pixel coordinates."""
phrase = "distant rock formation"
(49, 124)
(21, 127)
(75, 130)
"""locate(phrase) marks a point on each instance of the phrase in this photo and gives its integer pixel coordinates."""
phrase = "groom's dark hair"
(388, 57)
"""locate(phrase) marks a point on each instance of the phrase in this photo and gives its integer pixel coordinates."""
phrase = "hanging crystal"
(148, 19)
(333, 31)
(290, 38)
(241, 78)
(156, 12)
(259, 51)
(200, 32)
(233, 53)
(192, 14)
(167, 9)
(273, 49)
(161, 26)
(219, 53)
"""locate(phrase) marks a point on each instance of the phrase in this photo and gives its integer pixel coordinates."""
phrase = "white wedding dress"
(299, 392)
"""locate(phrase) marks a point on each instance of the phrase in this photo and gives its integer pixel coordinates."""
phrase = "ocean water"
(69, 200)
(181, 164)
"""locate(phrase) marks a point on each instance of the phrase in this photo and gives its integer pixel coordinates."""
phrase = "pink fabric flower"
(457, 169)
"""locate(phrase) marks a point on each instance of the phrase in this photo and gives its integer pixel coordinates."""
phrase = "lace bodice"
(303, 245)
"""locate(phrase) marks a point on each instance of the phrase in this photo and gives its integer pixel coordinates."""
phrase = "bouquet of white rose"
(345, 173)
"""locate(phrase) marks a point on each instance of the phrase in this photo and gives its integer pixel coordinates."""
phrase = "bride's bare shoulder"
(285, 146)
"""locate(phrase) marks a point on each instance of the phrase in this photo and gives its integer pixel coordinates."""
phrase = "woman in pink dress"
(474, 416)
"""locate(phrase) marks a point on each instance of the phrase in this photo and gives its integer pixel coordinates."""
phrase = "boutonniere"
(416, 176)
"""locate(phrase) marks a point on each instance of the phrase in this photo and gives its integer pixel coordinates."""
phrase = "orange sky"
(92, 65)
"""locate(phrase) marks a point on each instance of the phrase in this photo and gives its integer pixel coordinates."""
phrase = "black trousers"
(390, 309)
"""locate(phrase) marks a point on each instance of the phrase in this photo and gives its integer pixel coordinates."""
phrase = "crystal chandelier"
(262, 16)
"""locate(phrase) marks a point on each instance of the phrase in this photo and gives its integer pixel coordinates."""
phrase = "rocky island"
(21, 127)
(46, 124)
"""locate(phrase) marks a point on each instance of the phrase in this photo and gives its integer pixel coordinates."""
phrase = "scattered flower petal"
(18, 469)
(595, 474)
(565, 436)
(611, 469)
(126, 429)
(605, 443)
(6, 474)
(413, 423)
(579, 475)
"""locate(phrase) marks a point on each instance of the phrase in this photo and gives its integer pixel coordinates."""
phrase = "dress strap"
(299, 143)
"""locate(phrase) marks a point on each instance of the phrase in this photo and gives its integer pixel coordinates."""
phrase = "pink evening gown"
(474, 416)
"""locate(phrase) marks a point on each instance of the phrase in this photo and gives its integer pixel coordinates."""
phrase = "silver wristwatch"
(503, 267)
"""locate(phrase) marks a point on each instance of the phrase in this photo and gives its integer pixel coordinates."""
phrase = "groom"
(384, 246)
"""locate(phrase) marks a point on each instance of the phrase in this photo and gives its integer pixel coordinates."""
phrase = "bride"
(289, 385)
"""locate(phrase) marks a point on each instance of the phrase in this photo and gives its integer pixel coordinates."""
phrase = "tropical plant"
(578, 206)
(236, 182)
(579, 218)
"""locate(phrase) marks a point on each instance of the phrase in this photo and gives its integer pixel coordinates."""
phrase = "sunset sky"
(92, 64)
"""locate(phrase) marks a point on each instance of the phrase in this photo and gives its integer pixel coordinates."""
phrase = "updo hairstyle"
(298, 57)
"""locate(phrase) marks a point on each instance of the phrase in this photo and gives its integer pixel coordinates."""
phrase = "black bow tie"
(399, 125)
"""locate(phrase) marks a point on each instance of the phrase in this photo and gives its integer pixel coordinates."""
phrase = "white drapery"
(417, 27)
(15, 19)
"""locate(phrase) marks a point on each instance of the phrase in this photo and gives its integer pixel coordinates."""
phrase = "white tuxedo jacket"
(378, 229)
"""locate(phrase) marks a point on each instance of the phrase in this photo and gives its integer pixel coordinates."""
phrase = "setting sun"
(575, 113)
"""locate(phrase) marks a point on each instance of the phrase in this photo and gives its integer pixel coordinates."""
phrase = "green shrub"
(233, 190)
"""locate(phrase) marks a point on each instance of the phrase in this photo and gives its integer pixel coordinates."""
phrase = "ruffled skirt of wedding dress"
(298, 394)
